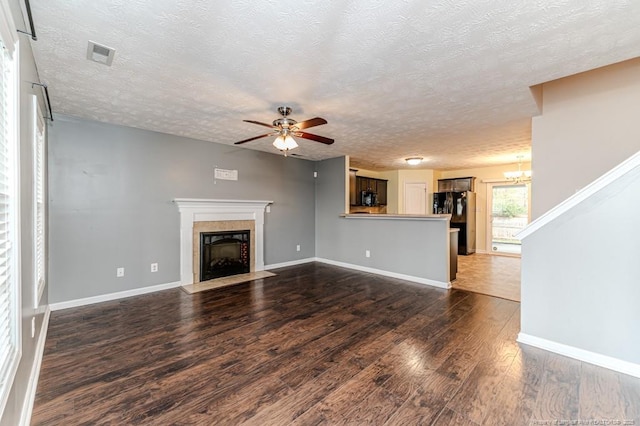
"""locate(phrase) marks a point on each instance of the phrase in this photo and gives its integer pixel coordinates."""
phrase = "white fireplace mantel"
(204, 210)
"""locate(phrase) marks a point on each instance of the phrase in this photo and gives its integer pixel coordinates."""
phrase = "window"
(38, 200)
(9, 193)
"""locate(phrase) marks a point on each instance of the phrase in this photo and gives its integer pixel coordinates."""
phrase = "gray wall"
(28, 73)
(416, 248)
(588, 126)
(580, 272)
(580, 275)
(110, 203)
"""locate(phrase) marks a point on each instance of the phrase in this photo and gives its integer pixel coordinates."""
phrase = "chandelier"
(519, 176)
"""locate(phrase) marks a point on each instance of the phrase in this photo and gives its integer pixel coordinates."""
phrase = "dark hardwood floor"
(314, 344)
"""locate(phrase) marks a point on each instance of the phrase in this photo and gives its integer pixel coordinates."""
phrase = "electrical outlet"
(298, 247)
(120, 272)
(367, 253)
(154, 267)
(33, 327)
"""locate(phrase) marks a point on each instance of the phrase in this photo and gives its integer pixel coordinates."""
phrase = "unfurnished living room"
(274, 213)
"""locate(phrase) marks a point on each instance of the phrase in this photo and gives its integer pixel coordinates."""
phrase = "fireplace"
(224, 253)
(228, 216)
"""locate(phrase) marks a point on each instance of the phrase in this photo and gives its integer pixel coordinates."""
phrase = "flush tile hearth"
(226, 281)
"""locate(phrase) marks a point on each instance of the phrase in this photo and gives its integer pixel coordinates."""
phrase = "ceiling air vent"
(100, 53)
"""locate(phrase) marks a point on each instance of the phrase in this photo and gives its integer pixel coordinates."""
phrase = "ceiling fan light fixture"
(285, 143)
(284, 127)
(413, 161)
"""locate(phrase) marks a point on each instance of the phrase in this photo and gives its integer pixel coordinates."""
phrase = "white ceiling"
(444, 79)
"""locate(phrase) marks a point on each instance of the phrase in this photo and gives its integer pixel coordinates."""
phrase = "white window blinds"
(9, 292)
(39, 201)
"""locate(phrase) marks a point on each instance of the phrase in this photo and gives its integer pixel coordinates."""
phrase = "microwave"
(368, 198)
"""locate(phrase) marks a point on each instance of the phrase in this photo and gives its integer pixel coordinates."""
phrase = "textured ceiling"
(444, 79)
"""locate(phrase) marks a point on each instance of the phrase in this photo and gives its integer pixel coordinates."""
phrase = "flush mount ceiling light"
(100, 53)
(520, 175)
(413, 161)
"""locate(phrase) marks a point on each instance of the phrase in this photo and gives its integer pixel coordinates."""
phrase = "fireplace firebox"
(224, 253)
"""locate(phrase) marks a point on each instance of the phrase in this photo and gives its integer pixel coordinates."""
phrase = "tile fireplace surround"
(199, 214)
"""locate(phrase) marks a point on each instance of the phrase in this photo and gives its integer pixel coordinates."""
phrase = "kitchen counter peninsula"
(406, 246)
(396, 216)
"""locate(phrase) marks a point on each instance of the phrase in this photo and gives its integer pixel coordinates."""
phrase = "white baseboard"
(112, 296)
(495, 253)
(439, 284)
(594, 358)
(30, 396)
(290, 263)
(138, 291)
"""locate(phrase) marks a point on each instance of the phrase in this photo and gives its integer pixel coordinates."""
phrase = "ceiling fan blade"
(254, 138)
(259, 123)
(314, 137)
(312, 122)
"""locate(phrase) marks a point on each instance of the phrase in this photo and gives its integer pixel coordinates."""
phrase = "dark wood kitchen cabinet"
(352, 187)
(456, 184)
(363, 183)
(382, 192)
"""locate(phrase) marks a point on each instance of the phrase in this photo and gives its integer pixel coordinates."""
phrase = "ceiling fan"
(284, 128)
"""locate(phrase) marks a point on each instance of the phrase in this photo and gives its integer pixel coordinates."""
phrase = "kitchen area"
(454, 200)
(367, 195)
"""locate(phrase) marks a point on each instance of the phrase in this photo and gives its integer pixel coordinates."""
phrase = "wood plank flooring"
(316, 344)
(488, 274)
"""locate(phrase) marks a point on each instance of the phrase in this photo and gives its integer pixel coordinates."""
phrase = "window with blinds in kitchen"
(9, 242)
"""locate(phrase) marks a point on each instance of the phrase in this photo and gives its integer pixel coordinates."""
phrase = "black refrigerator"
(462, 208)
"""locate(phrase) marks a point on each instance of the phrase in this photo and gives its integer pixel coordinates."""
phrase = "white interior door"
(415, 198)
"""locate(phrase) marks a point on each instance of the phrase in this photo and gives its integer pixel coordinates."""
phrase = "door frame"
(489, 219)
